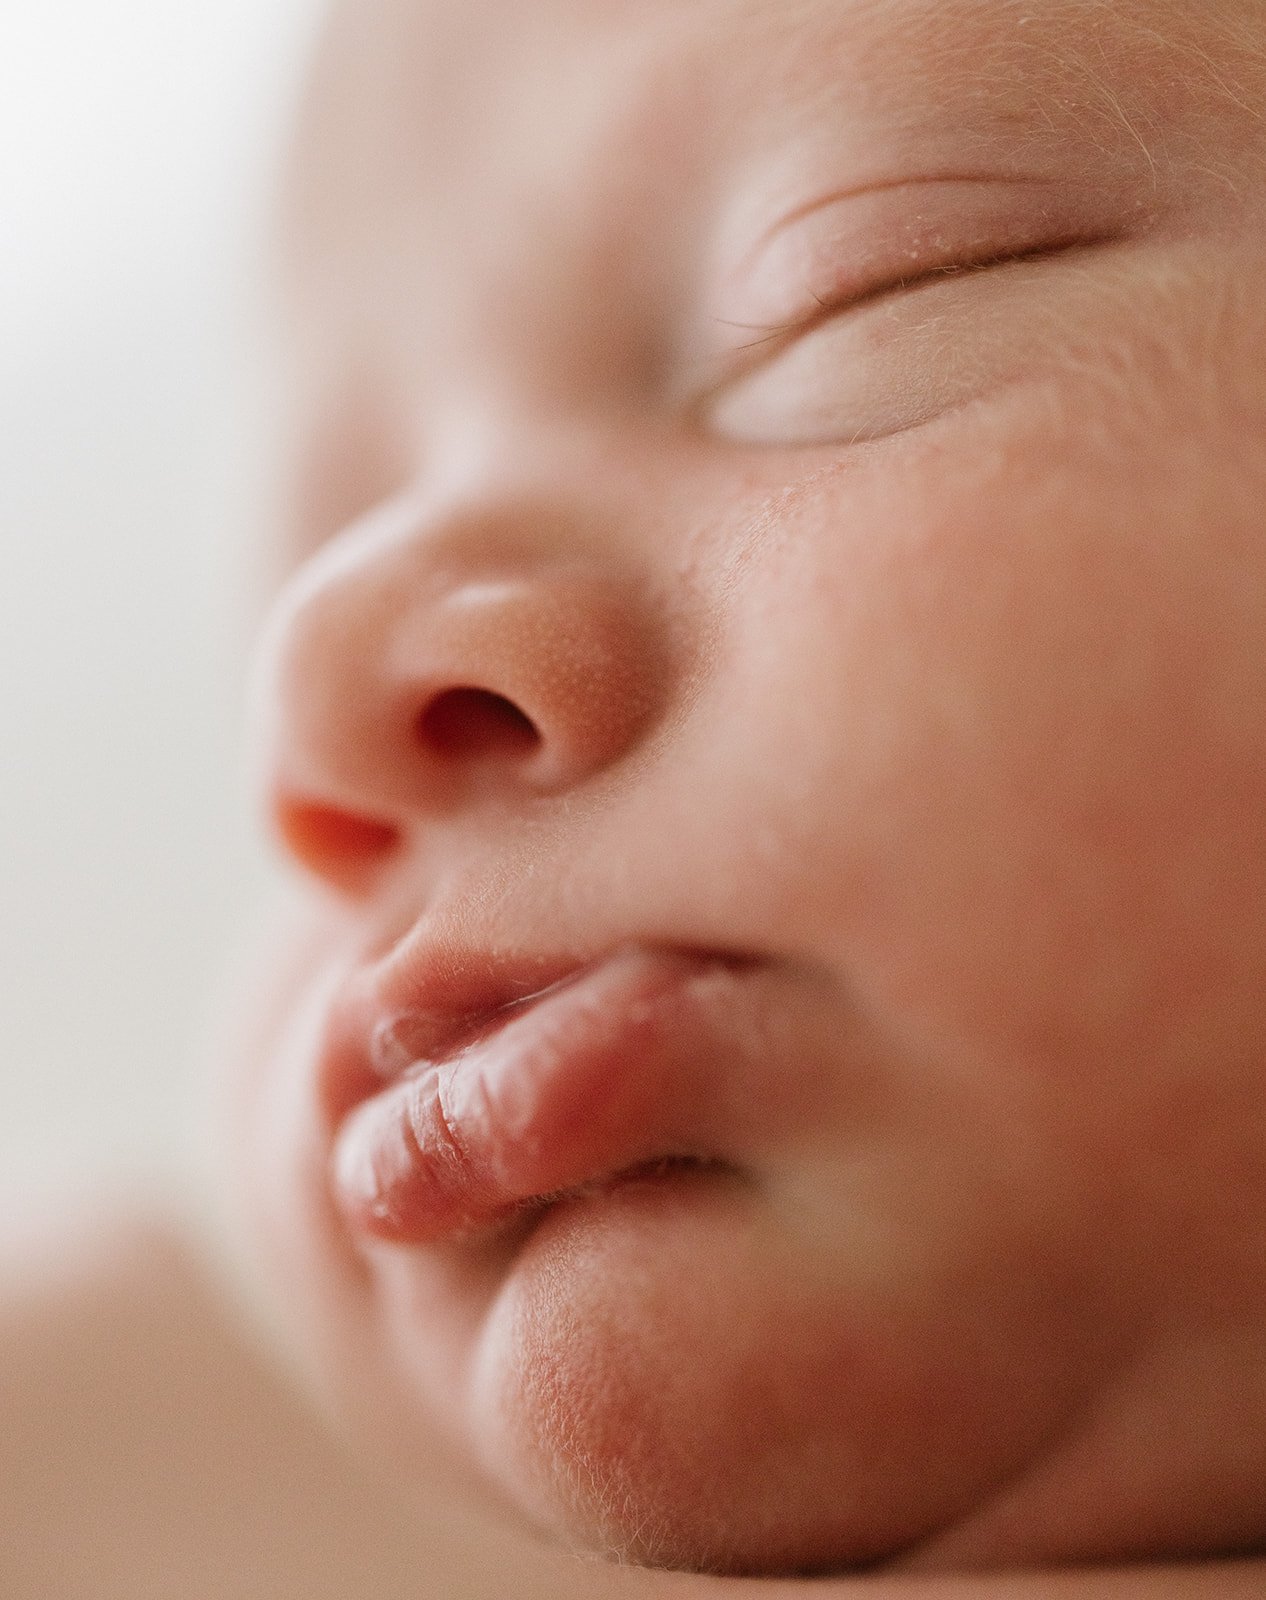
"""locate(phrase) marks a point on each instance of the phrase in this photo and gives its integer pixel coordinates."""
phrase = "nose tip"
(399, 696)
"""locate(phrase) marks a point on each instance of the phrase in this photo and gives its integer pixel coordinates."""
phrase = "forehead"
(476, 130)
(427, 100)
(480, 69)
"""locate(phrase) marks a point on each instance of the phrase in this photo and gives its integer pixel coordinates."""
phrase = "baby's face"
(780, 566)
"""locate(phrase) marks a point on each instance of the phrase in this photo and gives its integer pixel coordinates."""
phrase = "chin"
(648, 1387)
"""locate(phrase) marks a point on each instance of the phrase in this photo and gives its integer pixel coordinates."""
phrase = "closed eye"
(772, 337)
(874, 360)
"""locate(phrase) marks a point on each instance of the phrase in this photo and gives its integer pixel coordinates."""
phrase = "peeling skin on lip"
(597, 1079)
(411, 1040)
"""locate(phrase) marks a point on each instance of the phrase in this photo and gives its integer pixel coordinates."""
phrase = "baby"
(771, 698)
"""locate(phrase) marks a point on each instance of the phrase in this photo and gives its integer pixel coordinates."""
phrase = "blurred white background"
(138, 146)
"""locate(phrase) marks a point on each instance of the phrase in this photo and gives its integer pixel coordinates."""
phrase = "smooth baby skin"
(779, 489)
(204, 1469)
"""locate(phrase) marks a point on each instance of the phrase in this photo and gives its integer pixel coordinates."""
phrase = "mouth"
(459, 1102)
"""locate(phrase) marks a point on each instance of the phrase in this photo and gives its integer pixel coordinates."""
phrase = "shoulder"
(147, 1448)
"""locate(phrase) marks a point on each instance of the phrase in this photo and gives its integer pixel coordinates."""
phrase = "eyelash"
(827, 308)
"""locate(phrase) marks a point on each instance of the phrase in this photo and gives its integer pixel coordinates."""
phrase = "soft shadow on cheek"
(296, 1256)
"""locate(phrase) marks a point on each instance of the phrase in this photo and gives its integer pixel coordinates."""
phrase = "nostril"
(466, 723)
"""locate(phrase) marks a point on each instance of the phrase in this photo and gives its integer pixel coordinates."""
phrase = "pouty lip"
(486, 1094)
(423, 1001)
(400, 1041)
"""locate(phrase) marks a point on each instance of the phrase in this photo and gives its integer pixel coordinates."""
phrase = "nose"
(424, 666)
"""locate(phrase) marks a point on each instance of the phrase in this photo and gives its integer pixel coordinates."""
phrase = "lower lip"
(600, 1081)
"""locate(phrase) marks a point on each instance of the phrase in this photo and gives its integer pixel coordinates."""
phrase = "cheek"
(262, 1111)
(1024, 707)
(311, 1288)
(1046, 707)
(1079, 800)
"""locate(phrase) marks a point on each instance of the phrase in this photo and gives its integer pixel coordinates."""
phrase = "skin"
(861, 407)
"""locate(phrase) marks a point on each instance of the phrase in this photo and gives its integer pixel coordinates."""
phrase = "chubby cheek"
(1036, 821)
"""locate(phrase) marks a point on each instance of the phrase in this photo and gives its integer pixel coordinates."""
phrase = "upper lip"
(423, 1001)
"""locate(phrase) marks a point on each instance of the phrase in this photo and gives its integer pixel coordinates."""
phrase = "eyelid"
(855, 243)
(853, 250)
(962, 183)
(887, 370)
(772, 339)
(859, 236)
